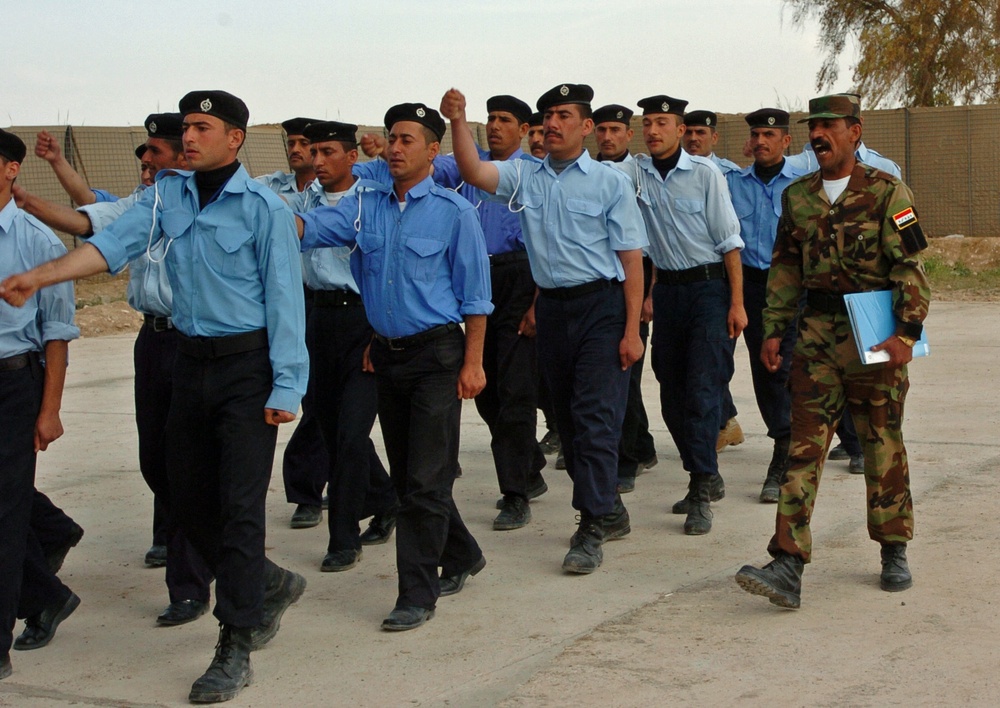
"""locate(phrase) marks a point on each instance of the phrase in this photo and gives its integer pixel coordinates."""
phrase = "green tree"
(910, 52)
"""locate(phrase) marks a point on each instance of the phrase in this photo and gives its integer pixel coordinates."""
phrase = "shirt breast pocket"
(689, 206)
(588, 219)
(233, 253)
(861, 243)
(372, 246)
(424, 256)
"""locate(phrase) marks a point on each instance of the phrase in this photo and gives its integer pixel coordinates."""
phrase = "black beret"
(140, 151)
(297, 126)
(768, 118)
(224, 106)
(325, 130)
(663, 104)
(418, 113)
(612, 113)
(515, 106)
(168, 126)
(12, 147)
(565, 93)
(536, 119)
(701, 118)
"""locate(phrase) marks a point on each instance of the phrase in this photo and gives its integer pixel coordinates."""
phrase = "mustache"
(819, 145)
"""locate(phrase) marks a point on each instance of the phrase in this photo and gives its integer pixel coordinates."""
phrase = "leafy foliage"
(910, 52)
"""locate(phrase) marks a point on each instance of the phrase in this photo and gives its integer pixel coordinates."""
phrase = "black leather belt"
(217, 347)
(158, 322)
(755, 275)
(509, 257)
(578, 290)
(18, 361)
(824, 301)
(708, 271)
(335, 298)
(398, 344)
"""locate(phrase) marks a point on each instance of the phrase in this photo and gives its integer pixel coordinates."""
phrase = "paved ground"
(661, 622)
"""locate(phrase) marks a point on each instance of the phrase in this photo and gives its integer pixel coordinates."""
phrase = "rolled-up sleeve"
(471, 266)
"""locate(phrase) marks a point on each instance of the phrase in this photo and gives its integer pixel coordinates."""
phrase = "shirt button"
(832, 212)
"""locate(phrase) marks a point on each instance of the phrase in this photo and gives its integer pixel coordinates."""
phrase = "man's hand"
(471, 380)
(373, 145)
(47, 147)
(453, 104)
(366, 360)
(630, 350)
(737, 320)
(275, 417)
(48, 428)
(899, 353)
(769, 354)
(527, 326)
(16, 289)
(647, 309)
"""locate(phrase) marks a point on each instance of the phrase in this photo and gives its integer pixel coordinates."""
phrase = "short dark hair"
(429, 135)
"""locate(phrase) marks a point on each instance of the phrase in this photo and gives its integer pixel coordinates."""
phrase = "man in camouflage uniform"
(847, 228)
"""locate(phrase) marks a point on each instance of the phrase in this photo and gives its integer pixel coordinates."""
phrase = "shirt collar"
(585, 162)
(7, 215)
(420, 189)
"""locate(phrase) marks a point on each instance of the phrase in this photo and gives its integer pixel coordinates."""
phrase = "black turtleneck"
(663, 166)
(766, 174)
(210, 182)
(620, 158)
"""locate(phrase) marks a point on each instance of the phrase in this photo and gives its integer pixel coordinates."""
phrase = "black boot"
(229, 671)
(699, 515)
(780, 581)
(771, 490)
(585, 552)
(717, 492)
(283, 589)
(895, 571)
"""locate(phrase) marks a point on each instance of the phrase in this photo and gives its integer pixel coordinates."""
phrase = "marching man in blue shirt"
(34, 341)
(419, 257)
(231, 254)
(697, 300)
(584, 237)
(756, 193)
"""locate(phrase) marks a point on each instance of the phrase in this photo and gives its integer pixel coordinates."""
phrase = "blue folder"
(873, 322)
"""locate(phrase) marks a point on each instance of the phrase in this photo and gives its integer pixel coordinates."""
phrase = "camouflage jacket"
(867, 240)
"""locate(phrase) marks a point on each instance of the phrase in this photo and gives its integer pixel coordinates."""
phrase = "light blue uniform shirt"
(574, 222)
(233, 267)
(281, 183)
(758, 207)
(324, 268)
(806, 162)
(501, 226)
(725, 166)
(103, 195)
(689, 216)
(148, 284)
(418, 268)
(46, 316)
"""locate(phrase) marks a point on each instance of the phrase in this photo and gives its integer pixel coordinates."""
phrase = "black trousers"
(774, 399)
(305, 464)
(219, 456)
(27, 586)
(578, 343)
(187, 576)
(637, 444)
(508, 404)
(419, 411)
(345, 405)
(51, 525)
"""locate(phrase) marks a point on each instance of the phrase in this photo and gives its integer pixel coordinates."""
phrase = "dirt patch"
(101, 306)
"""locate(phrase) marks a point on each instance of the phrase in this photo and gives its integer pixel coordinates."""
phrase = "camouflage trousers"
(826, 376)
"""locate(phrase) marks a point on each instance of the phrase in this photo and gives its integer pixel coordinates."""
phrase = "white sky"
(111, 62)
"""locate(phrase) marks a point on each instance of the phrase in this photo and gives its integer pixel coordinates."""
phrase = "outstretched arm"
(474, 171)
(78, 263)
(56, 216)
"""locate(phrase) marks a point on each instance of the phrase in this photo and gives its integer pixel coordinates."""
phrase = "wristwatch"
(908, 341)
